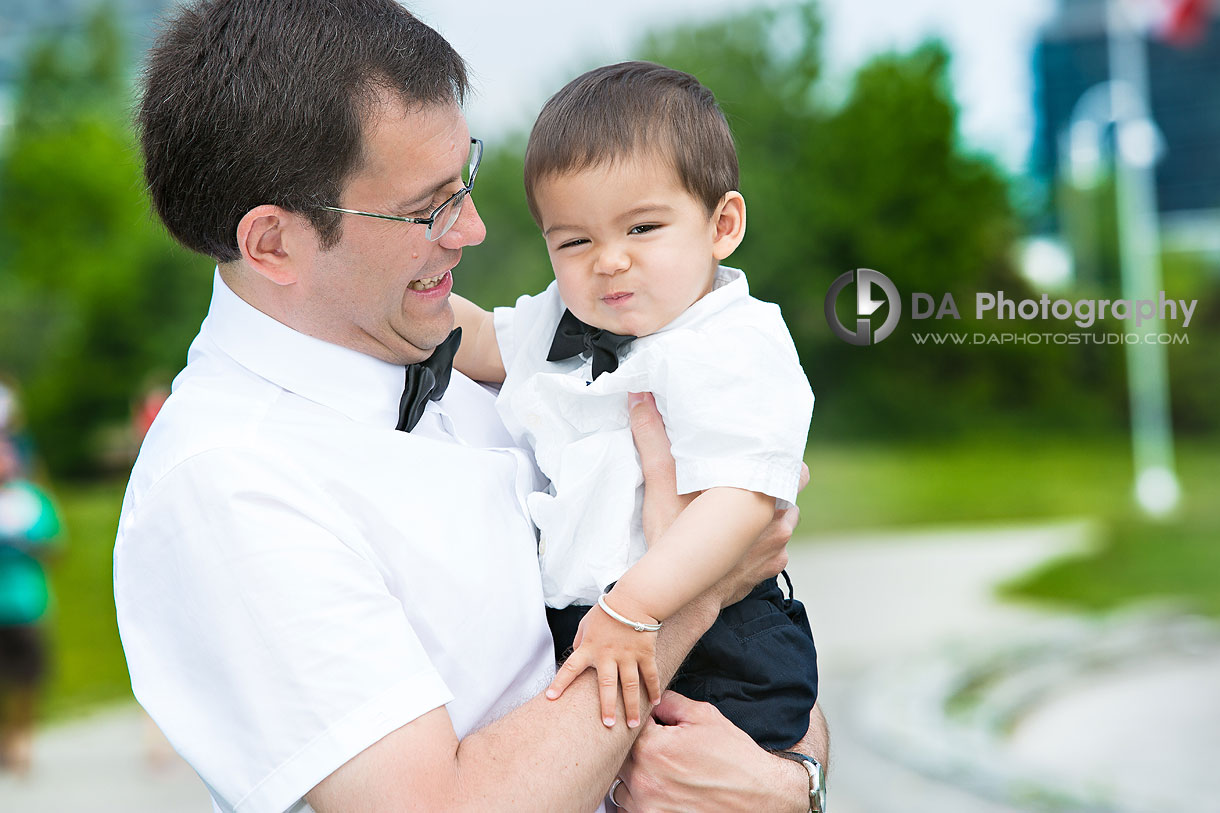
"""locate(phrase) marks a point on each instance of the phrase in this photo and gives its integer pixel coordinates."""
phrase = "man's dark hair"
(251, 102)
(619, 110)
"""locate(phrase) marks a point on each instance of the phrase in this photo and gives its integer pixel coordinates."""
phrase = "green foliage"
(512, 260)
(878, 182)
(94, 297)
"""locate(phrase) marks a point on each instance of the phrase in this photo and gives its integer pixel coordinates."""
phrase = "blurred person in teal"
(28, 527)
(326, 583)
(12, 425)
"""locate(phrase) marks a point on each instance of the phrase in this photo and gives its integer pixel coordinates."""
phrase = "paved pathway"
(1099, 716)
(100, 764)
(893, 614)
(882, 603)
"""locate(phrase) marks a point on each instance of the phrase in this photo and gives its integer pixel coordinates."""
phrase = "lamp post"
(1123, 103)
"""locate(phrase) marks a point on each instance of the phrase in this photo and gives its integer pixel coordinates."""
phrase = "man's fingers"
(652, 681)
(651, 442)
(571, 669)
(804, 478)
(791, 518)
(675, 709)
(607, 689)
(661, 501)
(630, 676)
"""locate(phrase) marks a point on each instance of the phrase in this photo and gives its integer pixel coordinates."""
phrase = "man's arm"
(545, 755)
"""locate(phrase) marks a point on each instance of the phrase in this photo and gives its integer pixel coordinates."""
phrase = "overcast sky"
(523, 51)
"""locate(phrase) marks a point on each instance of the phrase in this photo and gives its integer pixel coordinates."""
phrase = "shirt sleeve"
(737, 407)
(263, 641)
(528, 326)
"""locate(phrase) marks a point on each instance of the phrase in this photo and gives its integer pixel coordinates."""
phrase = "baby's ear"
(729, 222)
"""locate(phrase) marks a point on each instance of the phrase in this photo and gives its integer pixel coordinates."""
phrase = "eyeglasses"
(444, 216)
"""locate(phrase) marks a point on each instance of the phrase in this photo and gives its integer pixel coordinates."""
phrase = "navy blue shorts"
(757, 664)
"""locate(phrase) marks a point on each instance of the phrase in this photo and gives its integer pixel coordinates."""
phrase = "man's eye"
(644, 228)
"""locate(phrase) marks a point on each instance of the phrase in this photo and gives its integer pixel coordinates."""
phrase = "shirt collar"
(728, 286)
(364, 388)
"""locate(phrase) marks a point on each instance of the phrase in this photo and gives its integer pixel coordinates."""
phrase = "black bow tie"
(427, 381)
(574, 337)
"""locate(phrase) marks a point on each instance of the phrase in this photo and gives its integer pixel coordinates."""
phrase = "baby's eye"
(644, 228)
(580, 241)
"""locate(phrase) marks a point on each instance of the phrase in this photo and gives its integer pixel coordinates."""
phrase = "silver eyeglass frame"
(454, 200)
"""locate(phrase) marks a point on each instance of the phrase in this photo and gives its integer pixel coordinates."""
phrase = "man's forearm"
(556, 754)
(791, 793)
(816, 742)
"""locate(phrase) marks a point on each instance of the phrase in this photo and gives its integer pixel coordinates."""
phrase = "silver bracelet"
(638, 626)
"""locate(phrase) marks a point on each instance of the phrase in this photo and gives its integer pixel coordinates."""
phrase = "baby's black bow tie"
(427, 381)
(574, 337)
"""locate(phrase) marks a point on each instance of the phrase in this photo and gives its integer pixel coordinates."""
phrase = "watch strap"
(817, 778)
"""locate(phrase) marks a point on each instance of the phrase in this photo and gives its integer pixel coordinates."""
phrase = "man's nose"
(468, 230)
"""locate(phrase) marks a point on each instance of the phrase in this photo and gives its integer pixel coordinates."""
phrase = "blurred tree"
(878, 181)
(512, 260)
(95, 296)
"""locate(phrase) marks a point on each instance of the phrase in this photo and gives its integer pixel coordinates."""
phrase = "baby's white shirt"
(728, 383)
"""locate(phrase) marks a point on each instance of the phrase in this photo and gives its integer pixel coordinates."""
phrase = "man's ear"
(273, 242)
(729, 222)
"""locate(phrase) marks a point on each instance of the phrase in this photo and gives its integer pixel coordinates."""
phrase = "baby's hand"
(617, 652)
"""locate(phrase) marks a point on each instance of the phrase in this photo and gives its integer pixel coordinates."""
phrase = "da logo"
(866, 306)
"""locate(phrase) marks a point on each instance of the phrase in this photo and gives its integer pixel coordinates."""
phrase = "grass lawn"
(88, 664)
(1177, 561)
(871, 487)
(855, 487)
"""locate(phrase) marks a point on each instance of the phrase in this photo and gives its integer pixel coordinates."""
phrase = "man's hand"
(695, 759)
(766, 557)
(661, 501)
(618, 653)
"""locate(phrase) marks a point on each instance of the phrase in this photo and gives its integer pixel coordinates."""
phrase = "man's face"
(631, 248)
(384, 288)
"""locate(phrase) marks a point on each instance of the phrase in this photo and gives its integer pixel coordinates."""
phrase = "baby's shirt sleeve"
(737, 407)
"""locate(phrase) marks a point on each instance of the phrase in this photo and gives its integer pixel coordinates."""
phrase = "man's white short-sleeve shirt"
(295, 579)
(728, 383)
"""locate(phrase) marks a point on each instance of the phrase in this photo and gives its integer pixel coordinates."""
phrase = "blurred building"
(1070, 57)
(23, 22)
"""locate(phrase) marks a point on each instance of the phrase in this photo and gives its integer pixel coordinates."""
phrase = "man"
(319, 610)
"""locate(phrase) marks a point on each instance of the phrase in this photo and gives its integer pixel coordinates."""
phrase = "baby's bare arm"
(704, 543)
(479, 354)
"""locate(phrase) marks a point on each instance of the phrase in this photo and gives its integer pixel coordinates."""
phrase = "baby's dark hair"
(618, 110)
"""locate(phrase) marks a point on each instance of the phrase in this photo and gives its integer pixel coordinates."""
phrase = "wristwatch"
(817, 779)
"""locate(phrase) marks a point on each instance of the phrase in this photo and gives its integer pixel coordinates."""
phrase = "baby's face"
(631, 248)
